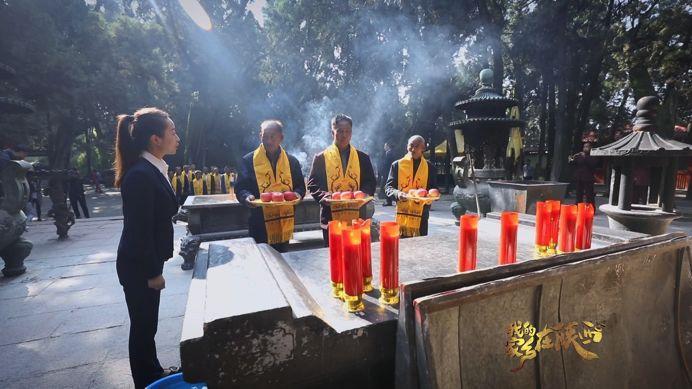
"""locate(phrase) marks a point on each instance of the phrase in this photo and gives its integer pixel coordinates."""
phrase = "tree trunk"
(542, 121)
(551, 124)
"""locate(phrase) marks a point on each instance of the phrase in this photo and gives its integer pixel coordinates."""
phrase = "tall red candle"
(389, 262)
(584, 227)
(468, 242)
(542, 226)
(508, 237)
(335, 254)
(351, 269)
(365, 252)
(554, 222)
(568, 223)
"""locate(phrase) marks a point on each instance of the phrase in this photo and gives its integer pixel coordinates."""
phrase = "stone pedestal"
(15, 194)
(649, 220)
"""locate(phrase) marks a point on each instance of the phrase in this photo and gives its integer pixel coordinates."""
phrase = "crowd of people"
(188, 181)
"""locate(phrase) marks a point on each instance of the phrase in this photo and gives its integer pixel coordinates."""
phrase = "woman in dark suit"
(147, 238)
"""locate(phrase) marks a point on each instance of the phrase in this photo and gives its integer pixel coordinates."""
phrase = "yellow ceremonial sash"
(339, 181)
(227, 182)
(408, 213)
(174, 184)
(198, 186)
(278, 220)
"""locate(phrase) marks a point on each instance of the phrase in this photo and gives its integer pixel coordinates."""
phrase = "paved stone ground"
(64, 323)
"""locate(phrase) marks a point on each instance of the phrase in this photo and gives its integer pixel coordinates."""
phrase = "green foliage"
(396, 67)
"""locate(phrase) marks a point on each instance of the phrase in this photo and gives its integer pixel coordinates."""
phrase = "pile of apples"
(424, 193)
(277, 197)
(348, 195)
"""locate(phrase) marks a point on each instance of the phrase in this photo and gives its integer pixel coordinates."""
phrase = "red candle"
(508, 237)
(568, 223)
(584, 228)
(554, 222)
(365, 252)
(389, 262)
(468, 242)
(351, 269)
(335, 254)
(542, 226)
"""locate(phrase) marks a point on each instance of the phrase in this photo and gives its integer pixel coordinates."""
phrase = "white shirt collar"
(160, 164)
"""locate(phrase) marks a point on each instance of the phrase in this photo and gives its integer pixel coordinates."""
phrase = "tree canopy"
(396, 67)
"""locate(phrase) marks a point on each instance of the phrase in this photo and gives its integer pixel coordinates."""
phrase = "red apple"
(290, 196)
(359, 194)
(277, 197)
(422, 192)
(434, 193)
(336, 196)
(347, 195)
(266, 197)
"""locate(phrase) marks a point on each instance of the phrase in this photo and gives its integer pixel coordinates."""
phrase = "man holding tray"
(270, 169)
(412, 172)
(340, 168)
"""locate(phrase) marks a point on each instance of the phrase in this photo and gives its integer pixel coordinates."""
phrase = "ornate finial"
(646, 114)
(487, 78)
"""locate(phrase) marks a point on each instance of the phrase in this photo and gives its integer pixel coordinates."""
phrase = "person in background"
(76, 194)
(227, 181)
(15, 153)
(95, 181)
(35, 195)
(149, 203)
(584, 179)
(187, 184)
(340, 167)
(178, 184)
(199, 184)
(411, 172)
(214, 181)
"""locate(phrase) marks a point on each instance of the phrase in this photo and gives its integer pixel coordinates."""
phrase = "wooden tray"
(261, 203)
(353, 201)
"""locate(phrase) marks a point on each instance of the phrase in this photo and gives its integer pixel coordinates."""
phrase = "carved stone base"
(14, 256)
(188, 250)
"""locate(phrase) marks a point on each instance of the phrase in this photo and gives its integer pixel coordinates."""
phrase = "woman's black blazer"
(147, 238)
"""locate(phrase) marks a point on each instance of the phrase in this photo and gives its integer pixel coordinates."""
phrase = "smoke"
(386, 74)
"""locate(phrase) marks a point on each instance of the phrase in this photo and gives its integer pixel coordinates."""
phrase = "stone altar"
(216, 217)
(256, 318)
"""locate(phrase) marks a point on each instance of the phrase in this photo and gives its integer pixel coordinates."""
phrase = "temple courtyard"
(65, 324)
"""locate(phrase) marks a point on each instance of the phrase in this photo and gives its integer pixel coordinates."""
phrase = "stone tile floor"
(63, 324)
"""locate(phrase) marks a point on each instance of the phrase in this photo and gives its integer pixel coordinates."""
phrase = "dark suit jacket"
(317, 182)
(247, 185)
(147, 238)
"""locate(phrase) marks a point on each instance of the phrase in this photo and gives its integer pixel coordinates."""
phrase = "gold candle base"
(389, 296)
(353, 303)
(367, 284)
(337, 290)
(542, 251)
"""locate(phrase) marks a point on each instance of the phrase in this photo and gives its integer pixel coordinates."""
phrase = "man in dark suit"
(347, 174)
(248, 189)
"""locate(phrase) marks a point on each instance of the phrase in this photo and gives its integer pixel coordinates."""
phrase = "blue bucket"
(175, 381)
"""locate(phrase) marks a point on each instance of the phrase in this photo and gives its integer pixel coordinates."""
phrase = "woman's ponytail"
(124, 146)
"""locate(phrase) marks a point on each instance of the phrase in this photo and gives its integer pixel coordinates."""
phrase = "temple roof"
(644, 141)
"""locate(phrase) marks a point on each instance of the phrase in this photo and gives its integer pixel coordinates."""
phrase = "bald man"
(270, 169)
(411, 172)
